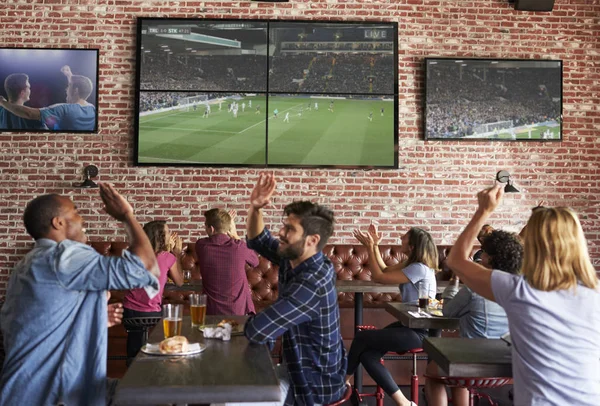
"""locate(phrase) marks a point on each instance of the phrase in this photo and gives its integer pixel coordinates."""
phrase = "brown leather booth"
(350, 262)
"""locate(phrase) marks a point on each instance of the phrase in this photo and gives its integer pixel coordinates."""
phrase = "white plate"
(235, 331)
(153, 349)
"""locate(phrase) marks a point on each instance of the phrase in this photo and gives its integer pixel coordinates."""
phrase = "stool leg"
(414, 382)
(471, 398)
(379, 395)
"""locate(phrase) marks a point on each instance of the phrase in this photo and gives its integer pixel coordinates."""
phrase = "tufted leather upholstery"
(349, 261)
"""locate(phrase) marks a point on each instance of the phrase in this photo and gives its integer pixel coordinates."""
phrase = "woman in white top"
(370, 345)
(553, 307)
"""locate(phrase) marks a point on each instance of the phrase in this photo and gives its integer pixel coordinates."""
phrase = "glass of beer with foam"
(198, 309)
(172, 319)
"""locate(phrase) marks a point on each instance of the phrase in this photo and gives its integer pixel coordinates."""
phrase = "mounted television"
(49, 90)
(493, 99)
(266, 93)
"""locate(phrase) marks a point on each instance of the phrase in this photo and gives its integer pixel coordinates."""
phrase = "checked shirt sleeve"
(266, 246)
(298, 305)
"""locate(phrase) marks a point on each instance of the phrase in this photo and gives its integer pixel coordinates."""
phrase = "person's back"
(222, 258)
(556, 356)
(69, 117)
(9, 121)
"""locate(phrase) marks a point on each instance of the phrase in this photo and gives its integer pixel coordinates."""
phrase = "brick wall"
(436, 182)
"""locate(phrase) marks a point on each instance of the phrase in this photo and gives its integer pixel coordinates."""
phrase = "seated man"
(55, 315)
(479, 317)
(222, 258)
(306, 313)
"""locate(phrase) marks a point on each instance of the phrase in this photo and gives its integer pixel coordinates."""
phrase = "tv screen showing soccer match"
(48, 90)
(493, 99)
(266, 93)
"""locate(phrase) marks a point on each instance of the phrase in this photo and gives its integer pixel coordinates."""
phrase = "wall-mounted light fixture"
(504, 177)
(90, 171)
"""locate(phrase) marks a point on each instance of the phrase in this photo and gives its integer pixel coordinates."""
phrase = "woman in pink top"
(167, 247)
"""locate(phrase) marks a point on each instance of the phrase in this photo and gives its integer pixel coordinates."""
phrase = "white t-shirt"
(417, 272)
(556, 342)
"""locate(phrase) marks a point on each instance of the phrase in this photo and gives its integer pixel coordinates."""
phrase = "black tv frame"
(95, 91)
(138, 90)
(458, 59)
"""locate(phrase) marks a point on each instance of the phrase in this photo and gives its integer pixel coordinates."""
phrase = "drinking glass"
(198, 309)
(423, 295)
(187, 277)
(172, 319)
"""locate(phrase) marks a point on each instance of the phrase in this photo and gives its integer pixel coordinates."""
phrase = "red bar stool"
(379, 394)
(472, 384)
(346, 397)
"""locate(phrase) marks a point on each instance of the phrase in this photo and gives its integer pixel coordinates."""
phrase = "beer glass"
(198, 309)
(187, 277)
(423, 295)
(172, 319)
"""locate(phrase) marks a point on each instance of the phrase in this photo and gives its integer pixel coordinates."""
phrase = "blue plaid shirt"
(307, 315)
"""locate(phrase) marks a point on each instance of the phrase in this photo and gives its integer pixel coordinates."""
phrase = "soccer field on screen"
(308, 136)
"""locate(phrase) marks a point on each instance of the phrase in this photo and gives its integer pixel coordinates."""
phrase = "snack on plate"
(174, 345)
(232, 323)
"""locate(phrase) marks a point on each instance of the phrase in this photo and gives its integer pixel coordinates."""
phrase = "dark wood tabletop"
(226, 371)
(194, 285)
(470, 357)
(359, 286)
(400, 311)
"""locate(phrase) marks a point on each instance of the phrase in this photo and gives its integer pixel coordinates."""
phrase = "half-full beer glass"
(198, 309)
(172, 319)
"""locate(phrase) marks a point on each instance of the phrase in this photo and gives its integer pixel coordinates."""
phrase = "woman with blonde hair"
(419, 268)
(553, 306)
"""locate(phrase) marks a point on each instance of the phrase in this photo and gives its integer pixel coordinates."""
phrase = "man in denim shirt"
(54, 319)
(306, 312)
(479, 317)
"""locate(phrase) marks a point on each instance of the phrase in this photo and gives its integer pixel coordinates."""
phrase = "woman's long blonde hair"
(424, 249)
(556, 254)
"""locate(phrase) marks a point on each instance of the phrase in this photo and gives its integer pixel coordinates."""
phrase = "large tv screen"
(49, 90)
(260, 93)
(493, 99)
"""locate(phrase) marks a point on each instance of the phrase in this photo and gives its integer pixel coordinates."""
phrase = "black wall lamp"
(504, 177)
(90, 171)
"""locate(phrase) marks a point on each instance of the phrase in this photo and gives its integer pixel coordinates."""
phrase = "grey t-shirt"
(417, 272)
(555, 336)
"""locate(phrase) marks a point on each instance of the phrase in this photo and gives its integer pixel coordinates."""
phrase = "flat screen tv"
(493, 99)
(266, 93)
(49, 90)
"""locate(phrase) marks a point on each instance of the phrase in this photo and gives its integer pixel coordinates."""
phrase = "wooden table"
(470, 357)
(226, 371)
(434, 324)
(194, 285)
(359, 287)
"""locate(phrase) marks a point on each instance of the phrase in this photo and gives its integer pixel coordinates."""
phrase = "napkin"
(192, 347)
(223, 333)
(420, 315)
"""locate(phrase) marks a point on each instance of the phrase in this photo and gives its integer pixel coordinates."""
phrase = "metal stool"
(142, 324)
(472, 384)
(345, 398)
(379, 394)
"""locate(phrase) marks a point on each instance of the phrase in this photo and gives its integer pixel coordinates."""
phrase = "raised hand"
(263, 190)
(66, 70)
(374, 234)
(176, 243)
(114, 204)
(232, 214)
(364, 238)
(488, 199)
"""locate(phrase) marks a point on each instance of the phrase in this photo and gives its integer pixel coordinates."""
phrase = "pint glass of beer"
(198, 309)
(172, 319)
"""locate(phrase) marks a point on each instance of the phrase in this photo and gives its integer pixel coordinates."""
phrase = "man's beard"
(293, 251)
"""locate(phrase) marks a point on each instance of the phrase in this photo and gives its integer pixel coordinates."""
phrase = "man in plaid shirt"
(306, 312)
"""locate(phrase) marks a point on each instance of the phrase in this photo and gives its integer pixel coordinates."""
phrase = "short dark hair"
(39, 213)
(314, 219)
(505, 251)
(14, 84)
(83, 85)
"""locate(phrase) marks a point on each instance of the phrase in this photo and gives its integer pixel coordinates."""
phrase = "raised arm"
(379, 273)
(233, 229)
(474, 275)
(176, 247)
(260, 197)
(28, 113)
(139, 244)
(66, 70)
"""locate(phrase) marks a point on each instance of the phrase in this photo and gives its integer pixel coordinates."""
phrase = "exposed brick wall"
(436, 182)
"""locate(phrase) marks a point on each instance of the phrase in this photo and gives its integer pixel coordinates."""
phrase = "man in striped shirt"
(306, 313)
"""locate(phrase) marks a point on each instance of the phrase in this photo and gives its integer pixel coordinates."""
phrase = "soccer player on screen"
(371, 116)
(287, 118)
(275, 112)
(75, 115)
(382, 109)
(249, 104)
(317, 106)
(18, 90)
(331, 106)
(257, 110)
(243, 107)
